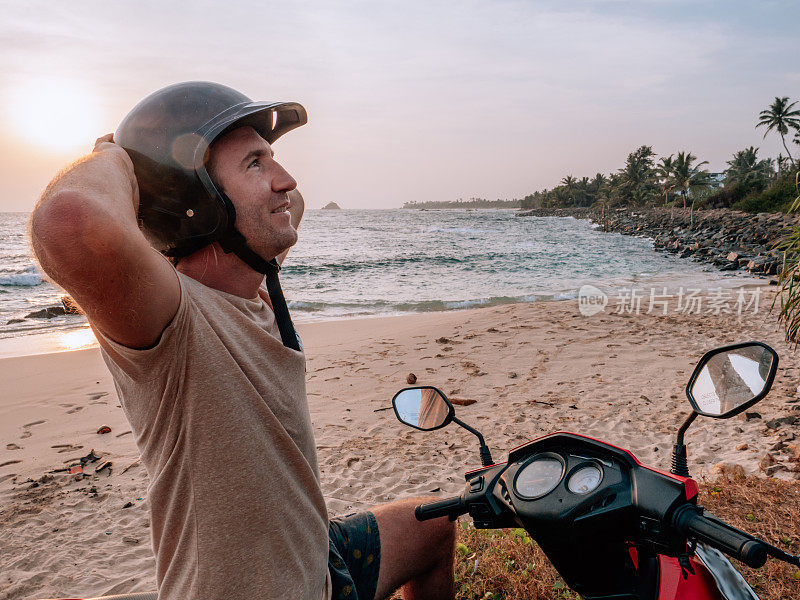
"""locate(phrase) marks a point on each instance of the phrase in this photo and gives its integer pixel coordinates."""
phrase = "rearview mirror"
(731, 379)
(423, 407)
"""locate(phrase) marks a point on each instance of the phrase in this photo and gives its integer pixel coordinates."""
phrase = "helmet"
(168, 135)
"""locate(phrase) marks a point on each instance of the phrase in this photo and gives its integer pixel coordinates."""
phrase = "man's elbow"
(59, 227)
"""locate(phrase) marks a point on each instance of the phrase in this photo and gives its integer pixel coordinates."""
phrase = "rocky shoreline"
(730, 240)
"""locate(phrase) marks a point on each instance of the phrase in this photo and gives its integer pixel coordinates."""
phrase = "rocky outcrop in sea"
(730, 240)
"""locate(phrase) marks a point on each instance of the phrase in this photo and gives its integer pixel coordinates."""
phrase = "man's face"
(243, 165)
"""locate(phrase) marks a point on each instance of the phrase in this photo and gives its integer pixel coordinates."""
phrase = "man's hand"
(105, 147)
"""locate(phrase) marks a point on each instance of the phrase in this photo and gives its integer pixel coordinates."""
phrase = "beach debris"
(104, 429)
(104, 466)
(13, 446)
(130, 466)
(411, 379)
(127, 505)
(130, 540)
(512, 375)
(89, 458)
(124, 433)
(462, 401)
(775, 423)
(76, 469)
(728, 470)
(749, 416)
(550, 404)
(379, 410)
(767, 461)
(493, 330)
(742, 447)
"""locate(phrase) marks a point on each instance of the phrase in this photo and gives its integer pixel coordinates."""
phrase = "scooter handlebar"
(689, 520)
(449, 507)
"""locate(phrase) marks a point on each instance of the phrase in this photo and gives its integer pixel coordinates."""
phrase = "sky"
(407, 100)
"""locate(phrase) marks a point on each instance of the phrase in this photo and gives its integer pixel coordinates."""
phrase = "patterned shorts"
(354, 557)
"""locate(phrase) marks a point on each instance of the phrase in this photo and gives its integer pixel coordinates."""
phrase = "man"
(209, 370)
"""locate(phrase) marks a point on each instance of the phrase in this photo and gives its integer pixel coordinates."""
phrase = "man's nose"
(281, 180)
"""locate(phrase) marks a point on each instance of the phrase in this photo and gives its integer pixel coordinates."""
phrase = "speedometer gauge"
(585, 480)
(538, 477)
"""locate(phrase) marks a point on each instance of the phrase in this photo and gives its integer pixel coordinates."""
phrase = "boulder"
(331, 206)
(70, 306)
(47, 313)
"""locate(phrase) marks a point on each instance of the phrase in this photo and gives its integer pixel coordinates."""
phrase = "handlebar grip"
(441, 508)
(689, 520)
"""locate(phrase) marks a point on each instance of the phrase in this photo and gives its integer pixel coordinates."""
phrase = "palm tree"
(584, 193)
(569, 182)
(690, 178)
(598, 181)
(637, 177)
(789, 276)
(780, 117)
(745, 169)
(599, 190)
(664, 170)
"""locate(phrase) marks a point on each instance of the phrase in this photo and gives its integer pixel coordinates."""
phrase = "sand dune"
(532, 369)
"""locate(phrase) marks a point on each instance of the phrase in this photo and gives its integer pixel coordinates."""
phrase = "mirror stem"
(680, 465)
(682, 431)
(486, 455)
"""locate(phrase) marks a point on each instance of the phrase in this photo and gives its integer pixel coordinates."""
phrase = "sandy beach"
(531, 368)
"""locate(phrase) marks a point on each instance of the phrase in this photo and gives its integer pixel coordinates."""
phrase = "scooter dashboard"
(555, 485)
(566, 479)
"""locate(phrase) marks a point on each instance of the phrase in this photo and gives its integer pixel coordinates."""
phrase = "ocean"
(383, 262)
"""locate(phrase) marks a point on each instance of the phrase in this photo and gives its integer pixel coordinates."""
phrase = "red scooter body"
(672, 585)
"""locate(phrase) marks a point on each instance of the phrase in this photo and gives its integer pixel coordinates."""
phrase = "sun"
(56, 114)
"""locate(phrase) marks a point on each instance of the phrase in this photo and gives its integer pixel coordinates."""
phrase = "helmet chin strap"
(234, 241)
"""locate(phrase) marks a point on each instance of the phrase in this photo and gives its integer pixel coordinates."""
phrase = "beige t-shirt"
(219, 412)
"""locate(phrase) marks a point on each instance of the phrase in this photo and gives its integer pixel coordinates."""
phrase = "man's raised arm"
(85, 235)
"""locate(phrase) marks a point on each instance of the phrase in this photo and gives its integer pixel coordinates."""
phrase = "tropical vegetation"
(750, 183)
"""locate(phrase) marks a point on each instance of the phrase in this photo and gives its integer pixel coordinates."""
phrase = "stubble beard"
(272, 242)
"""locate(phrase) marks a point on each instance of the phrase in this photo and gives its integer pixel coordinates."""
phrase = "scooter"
(612, 526)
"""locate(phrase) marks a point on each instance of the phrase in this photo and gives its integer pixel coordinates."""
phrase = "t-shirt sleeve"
(149, 363)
